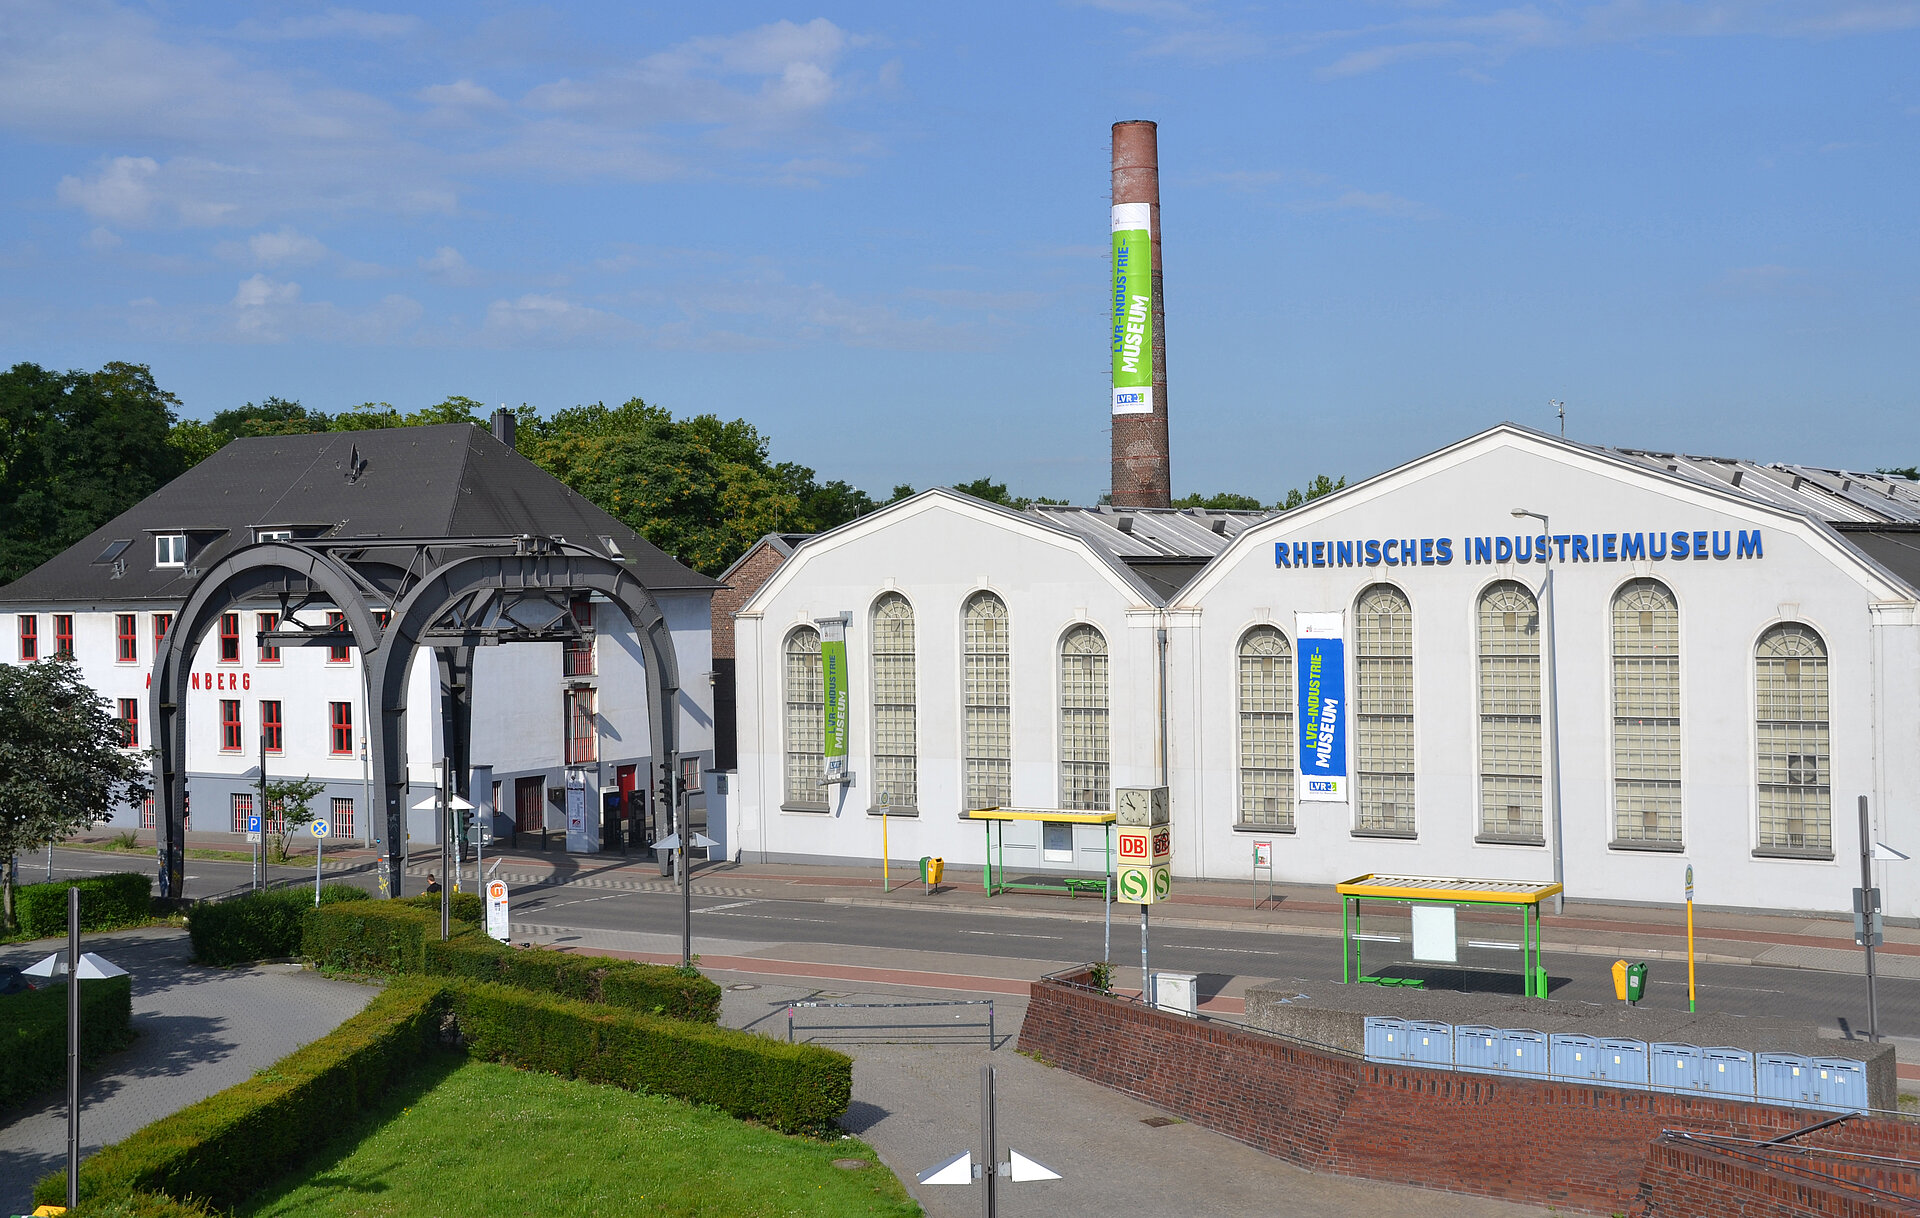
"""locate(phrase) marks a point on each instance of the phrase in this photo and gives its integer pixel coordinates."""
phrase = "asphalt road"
(1830, 1000)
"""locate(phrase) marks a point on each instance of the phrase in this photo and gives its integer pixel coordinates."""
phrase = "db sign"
(1143, 844)
(1144, 885)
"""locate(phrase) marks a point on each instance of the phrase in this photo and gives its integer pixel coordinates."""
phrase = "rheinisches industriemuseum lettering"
(1559, 547)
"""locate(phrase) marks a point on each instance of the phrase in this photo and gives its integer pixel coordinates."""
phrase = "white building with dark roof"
(1736, 655)
(542, 710)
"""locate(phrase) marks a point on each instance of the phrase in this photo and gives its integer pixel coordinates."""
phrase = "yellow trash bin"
(935, 869)
(1620, 980)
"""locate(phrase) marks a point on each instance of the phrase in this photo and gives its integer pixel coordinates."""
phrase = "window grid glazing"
(1085, 775)
(989, 703)
(1383, 710)
(1795, 762)
(1266, 729)
(896, 746)
(806, 720)
(1510, 762)
(1646, 714)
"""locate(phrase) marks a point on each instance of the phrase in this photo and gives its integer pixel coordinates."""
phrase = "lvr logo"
(1319, 785)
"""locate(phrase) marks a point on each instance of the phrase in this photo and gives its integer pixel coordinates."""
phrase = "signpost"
(497, 922)
(961, 1169)
(1143, 843)
(1690, 990)
(1262, 861)
(319, 828)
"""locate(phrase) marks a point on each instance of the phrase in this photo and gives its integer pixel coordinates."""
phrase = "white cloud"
(265, 310)
(336, 23)
(446, 263)
(547, 319)
(121, 192)
(285, 248)
(102, 240)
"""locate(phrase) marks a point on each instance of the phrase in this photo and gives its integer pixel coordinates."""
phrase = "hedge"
(398, 937)
(258, 926)
(224, 1149)
(793, 1088)
(107, 902)
(461, 907)
(33, 1033)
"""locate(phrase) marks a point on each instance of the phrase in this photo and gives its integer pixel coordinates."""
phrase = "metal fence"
(896, 1025)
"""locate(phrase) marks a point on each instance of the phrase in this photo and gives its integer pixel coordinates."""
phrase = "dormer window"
(170, 550)
(273, 535)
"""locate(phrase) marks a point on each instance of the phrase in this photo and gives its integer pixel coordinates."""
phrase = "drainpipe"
(1160, 640)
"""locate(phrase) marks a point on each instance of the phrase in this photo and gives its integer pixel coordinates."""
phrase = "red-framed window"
(242, 810)
(129, 723)
(341, 822)
(229, 725)
(336, 654)
(340, 728)
(29, 637)
(161, 621)
(270, 725)
(126, 639)
(576, 658)
(269, 651)
(581, 738)
(146, 813)
(229, 638)
(63, 635)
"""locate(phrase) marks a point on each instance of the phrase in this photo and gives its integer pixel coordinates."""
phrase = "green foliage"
(107, 902)
(33, 1033)
(76, 450)
(1229, 501)
(290, 801)
(793, 1088)
(396, 937)
(464, 907)
(1901, 471)
(61, 765)
(195, 441)
(1321, 485)
(140, 1205)
(259, 926)
(225, 1148)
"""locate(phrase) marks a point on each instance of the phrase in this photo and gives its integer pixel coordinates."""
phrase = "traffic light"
(666, 786)
(465, 821)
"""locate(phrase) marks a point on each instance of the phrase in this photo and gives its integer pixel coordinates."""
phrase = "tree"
(62, 767)
(76, 450)
(1902, 471)
(1321, 485)
(1225, 501)
(290, 807)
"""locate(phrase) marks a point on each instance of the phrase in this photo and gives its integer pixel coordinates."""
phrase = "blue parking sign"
(253, 823)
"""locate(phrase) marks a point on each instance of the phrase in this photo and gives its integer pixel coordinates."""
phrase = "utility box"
(1524, 1051)
(1574, 1056)
(1623, 1062)
(1386, 1039)
(1177, 992)
(1787, 1077)
(1477, 1047)
(1676, 1068)
(1430, 1043)
(1725, 1071)
(1840, 1083)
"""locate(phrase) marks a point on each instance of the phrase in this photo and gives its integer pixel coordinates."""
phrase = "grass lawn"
(477, 1140)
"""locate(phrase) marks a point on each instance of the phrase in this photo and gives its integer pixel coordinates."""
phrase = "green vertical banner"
(1132, 308)
(838, 695)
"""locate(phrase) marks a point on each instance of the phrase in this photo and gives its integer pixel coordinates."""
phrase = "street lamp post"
(1553, 711)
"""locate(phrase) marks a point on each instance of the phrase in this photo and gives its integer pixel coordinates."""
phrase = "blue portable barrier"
(1623, 1062)
(1523, 1051)
(1386, 1039)
(1429, 1043)
(1786, 1077)
(1676, 1068)
(1725, 1071)
(1477, 1047)
(1840, 1083)
(1574, 1056)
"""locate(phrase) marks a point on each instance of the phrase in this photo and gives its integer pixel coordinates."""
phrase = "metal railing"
(942, 1025)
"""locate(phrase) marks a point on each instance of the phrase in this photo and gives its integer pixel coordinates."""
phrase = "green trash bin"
(1636, 982)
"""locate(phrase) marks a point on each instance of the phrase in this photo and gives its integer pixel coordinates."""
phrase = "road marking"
(718, 908)
(1003, 934)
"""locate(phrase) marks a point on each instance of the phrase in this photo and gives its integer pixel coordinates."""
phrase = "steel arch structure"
(396, 595)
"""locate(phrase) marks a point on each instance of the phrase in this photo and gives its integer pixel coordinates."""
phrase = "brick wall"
(1700, 1181)
(755, 569)
(1525, 1140)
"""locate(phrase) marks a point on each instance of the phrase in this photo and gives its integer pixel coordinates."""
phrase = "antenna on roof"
(1560, 406)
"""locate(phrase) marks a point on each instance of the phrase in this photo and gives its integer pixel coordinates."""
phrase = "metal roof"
(447, 480)
(1446, 888)
(1150, 533)
(1833, 495)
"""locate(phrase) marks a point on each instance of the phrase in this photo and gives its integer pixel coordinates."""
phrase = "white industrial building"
(543, 711)
(1735, 646)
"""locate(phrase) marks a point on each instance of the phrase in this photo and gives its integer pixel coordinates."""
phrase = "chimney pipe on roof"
(1142, 473)
(504, 426)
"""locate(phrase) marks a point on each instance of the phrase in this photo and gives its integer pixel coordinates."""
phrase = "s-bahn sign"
(1142, 854)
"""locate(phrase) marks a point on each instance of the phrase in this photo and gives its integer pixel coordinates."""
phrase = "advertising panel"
(1132, 308)
(839, 702)
(1321, 678)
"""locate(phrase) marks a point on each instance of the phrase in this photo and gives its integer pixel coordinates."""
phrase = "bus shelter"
(994, 877)
(1431, 933)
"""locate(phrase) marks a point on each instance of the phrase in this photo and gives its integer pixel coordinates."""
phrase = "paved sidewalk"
(917, 1102)
(200, 1030)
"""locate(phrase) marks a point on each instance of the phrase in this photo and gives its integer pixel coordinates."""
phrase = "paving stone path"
(200, 1030)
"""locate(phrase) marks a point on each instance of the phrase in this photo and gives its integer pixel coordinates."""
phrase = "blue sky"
(878, 231)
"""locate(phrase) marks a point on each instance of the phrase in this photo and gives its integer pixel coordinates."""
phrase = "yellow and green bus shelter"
(994, 877)
(1426, 891)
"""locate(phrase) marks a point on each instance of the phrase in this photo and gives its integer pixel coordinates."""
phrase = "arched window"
(1266, 729)
(989, 706)
(896, 749)
(1383, 710)
(1646, 715)
(806, 720)
(1084, 775)
(1796, 753)
(1510, 803)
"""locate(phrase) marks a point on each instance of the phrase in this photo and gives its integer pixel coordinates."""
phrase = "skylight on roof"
(114, 550)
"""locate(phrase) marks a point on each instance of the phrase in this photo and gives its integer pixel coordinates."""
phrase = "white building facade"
(1735, 651)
